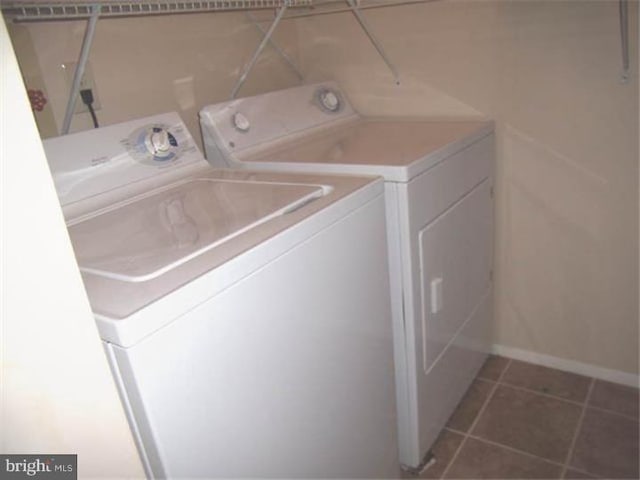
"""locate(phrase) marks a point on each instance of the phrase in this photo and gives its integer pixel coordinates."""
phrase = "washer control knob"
(158, 142)
(155, 144)
(241, 123)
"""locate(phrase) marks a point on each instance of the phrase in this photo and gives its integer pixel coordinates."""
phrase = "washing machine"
(245, 315)
(439, 207)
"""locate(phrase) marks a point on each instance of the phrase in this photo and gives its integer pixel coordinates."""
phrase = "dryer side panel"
(447, 249)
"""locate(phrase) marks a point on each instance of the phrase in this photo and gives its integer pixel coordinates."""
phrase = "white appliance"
(246, 316)
(438, 184)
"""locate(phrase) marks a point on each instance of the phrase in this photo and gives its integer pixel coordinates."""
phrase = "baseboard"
(572, 366)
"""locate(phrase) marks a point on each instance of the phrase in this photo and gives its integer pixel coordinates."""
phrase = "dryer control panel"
(231, 127)
(105, 165)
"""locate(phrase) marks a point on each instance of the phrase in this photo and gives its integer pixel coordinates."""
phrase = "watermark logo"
(50, 467)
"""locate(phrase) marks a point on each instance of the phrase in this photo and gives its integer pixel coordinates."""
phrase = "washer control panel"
(119, 159)
(155, 143)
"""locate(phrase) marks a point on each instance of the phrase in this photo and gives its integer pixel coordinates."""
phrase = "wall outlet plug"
(87, 82)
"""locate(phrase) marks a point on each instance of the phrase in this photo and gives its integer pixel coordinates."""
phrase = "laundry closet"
(554, 86)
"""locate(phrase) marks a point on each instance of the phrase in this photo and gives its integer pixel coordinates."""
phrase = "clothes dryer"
(439, 206)
(245, 315)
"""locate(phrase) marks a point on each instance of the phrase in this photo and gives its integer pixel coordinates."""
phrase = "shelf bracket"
(623, 6)
(249, 66)
(365, 26)
(80, 66)
(276, 47)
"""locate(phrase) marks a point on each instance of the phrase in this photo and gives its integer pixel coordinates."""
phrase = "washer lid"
(153, 234)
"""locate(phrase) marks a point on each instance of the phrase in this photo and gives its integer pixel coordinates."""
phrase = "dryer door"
(455, 297)
(455, 261)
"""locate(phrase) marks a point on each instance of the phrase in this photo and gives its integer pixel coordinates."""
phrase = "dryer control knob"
(330, 100)
(241, 123)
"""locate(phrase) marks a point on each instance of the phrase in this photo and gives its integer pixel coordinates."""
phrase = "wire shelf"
(35, 11)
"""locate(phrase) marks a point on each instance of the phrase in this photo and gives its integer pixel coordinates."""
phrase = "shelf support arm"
(80, 66)
(276, 47)
(249, 66)
(365, 26)
(624, 38)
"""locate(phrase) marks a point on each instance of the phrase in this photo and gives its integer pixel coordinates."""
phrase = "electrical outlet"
(87, 81)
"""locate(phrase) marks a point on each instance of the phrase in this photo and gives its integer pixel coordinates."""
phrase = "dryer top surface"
(396, 149)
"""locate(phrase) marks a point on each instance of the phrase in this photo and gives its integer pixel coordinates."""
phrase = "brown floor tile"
(493, 367)
(547, 380)
(443, 450)
(470, 405)
(615, 397)
(478, 459)
(575, 474)
(607, 445)
(533, 423)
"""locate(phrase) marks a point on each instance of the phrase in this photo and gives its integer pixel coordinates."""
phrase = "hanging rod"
(353, 5)
(39, 11)
(80, 66)
(623, 6)
(249, 66)
(285, 56)
(329, 7)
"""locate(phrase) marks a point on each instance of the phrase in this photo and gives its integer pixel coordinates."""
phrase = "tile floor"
(523, 421)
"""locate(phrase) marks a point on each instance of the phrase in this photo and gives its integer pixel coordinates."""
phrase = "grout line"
(584, 472)
(613, 412)
(574, 402)
(454, 456)
(485, 380)
(459, 432)
(578, 428)
(516, 450)
(564, 465)
(543, 394)
(521, 452)
(475, 421)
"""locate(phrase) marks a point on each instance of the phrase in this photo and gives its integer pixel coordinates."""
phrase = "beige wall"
(567, 151)
(547, 71)
(148, 65)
